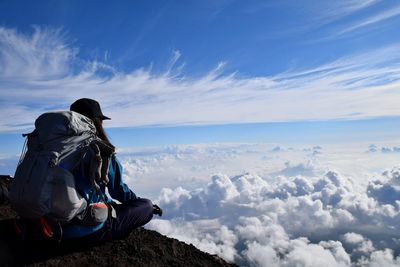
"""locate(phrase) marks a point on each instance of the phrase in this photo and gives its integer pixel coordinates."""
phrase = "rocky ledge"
(141, 248)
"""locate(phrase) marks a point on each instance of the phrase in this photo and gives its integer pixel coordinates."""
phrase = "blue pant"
(129, 216)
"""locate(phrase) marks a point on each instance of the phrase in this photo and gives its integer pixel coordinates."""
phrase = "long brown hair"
(101, 133)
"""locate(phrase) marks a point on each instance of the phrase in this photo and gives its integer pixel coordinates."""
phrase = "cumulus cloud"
(306, 169)
(387, 189)
(192, 165)
(372, 148)
(357, 245)
(301, 219)
(239, 201)
(220, 240)
(43, 62)
(390, 149)
(384, 258)
(385, 149)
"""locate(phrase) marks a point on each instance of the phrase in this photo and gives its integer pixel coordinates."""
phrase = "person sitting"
(131, 212)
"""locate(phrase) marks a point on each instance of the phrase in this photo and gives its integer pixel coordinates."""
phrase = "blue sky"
(204, 71)
(253, 37)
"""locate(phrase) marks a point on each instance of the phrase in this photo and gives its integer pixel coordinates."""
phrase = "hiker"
(133, 211)
(60, 183)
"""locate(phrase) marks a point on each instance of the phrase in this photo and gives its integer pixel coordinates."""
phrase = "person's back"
(98, 216)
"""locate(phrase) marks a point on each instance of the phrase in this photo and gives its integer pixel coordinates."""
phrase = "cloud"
(327, 12)
(357, 245)
(372, 148)
(221, 241)
(171, 166)
(41, 71)
(374, 19)
(387, 189)
(319, 13)
(261, 217)
(385, 149)
(343, 18)
(305, 254)
(307, 219)
(300, 169)
(42, 55)
(389, 150)
(384, 258)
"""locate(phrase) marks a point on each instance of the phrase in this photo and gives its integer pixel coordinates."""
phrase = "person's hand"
(157, 210)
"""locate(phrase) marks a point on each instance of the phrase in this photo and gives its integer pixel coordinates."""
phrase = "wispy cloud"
(44, 54)
(327, 11)
(42, 72)
(371, 20)
(310, 15)
(331, 19)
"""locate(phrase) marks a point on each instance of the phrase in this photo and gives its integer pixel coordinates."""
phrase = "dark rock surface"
(142, 248)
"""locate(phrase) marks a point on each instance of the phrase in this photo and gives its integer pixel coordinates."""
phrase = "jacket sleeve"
(116, 187)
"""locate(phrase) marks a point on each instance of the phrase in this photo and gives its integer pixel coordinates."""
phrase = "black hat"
(88, 107)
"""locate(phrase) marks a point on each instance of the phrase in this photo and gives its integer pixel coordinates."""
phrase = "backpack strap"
(96, 170)
(101, 153)
(95, 166)
(106, 151)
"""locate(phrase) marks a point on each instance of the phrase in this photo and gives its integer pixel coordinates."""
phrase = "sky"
(276, 111)
(170, 64)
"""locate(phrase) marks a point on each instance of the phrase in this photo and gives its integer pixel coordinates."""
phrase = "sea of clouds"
(270, 205)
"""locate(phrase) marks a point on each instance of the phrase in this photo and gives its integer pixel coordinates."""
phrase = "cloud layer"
(294, 221)
(274, 205)
(40, 71)
(311, 216)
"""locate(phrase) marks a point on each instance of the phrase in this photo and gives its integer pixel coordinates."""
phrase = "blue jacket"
(116, 188)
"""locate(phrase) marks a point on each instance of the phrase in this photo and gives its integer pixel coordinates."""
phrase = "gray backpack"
(44, 185)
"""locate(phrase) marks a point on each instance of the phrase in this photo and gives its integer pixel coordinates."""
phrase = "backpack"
(43, 184)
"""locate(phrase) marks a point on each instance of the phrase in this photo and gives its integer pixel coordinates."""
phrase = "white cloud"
(282, 225)
(385, 149)
(305, 254)
(40, 72)
(234, 200)
(42, 55)
(220, 241)
(300, 169)
(304, 219)
(326, 12)
(374, 19)
(387, 189)
(319, 13)
(358, 245)
(259, 255)
(384, 258)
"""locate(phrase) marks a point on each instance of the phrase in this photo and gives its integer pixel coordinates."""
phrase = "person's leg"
(129, 216)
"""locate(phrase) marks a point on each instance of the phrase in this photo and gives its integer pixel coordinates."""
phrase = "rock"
(141, 248)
